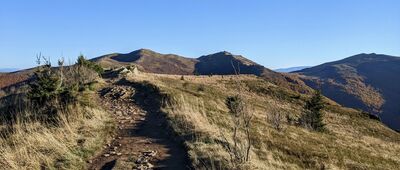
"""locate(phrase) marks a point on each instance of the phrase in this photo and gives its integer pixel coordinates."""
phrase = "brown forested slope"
(370, 82)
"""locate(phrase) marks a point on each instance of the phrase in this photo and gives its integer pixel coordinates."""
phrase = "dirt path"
(142, 141)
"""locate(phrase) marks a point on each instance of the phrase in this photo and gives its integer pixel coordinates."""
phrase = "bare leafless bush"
(241, 118)
(276, 119)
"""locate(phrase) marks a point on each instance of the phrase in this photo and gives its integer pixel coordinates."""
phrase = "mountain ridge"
(291, 69)
(352, 82)
(220, 63)
(361, 81)
(8, 70)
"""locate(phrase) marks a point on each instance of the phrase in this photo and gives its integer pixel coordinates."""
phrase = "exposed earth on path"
(141, 141)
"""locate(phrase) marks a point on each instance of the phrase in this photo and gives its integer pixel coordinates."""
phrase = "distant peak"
(143, 51)
(219, 55)
(365, 54)
(226, 53)
(223, 53)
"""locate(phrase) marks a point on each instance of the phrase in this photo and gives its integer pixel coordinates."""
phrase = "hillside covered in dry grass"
(53, 121)
(82, 116)
(196, 109)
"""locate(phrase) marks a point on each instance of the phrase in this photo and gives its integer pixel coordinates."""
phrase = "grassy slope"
(32, 144)
(353, 141)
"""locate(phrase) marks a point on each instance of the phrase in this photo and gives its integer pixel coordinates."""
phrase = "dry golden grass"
(353, 141)
(34, 145)
(63, 138)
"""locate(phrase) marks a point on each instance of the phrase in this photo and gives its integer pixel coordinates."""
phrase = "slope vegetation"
(195, 107)
(366, 81)
(27, 142)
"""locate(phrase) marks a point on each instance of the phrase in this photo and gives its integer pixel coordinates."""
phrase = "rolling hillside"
(8, 79)
(221, 63)
(359, 81)
(370, 82)
(149, 61)
(197, 112)
(140, 119)
(291, 69)
(8, 70)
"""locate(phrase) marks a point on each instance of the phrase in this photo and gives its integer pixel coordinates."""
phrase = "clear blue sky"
(279, 33)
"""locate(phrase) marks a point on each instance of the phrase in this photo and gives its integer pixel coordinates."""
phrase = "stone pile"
(143, 162)
(120, 93)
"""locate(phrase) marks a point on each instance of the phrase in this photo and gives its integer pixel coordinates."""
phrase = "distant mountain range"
(291, 69)
(360, 81)
(221, 63)
(370, 82)
(7, 70)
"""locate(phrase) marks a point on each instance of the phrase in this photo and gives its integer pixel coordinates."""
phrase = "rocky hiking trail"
(141, 141)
